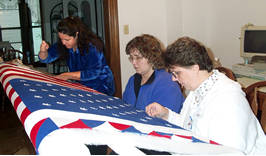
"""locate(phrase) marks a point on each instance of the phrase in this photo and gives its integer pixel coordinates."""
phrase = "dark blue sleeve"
(129, 93)
(52, 54)
(95, 73)
(95, 66)
(168, 94)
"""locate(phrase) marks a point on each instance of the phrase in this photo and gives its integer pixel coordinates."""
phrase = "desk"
(60, 117)
(246, 81)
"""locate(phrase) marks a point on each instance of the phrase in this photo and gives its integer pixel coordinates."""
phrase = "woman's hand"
(43, 50)
(62, 76)
(69, 76)
(156, 110)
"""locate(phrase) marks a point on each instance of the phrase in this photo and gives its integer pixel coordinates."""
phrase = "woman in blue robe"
(83, 52)
(151, 83)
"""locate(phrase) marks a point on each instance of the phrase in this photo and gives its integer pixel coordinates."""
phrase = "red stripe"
(213, 142)
(153, 133)
(119, 126)
(5, 87)
(11, 92)
(44, 77)
(34, 131)
(183, 136)
(25, 113)
(55, 81)
(76, 124)
(17, 102)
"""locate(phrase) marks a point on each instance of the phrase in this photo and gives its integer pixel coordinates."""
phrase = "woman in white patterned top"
(216, 107)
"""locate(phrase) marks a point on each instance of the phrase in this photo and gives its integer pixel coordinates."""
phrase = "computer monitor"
(252, 42)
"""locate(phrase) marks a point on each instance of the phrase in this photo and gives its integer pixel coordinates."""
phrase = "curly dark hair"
(70, 26)
(149, 47)
(186, 52)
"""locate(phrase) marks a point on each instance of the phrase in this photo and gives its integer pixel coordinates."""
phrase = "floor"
(13, 138)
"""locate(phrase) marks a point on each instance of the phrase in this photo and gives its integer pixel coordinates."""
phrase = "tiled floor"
(13, 138)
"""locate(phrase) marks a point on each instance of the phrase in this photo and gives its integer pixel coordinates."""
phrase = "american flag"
(45, 104)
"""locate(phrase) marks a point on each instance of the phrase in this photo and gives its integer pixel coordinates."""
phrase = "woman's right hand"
(43, 54)
(156, 110)
(44, 47)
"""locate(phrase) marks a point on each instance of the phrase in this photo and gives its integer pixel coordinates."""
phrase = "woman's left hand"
(62, 76)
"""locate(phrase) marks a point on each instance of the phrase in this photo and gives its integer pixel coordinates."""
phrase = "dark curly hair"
(186, 52)
(70, 26)
(149, 47)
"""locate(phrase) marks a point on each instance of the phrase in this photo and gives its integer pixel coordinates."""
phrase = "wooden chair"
(11, 54)
(257, 101)
(228, 72)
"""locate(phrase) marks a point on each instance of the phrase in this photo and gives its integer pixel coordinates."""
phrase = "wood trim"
(112, 49)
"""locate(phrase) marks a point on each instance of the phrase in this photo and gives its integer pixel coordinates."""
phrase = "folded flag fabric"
(45, 104)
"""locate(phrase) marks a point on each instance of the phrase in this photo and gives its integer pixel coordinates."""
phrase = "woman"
(83, 52)
(151, 83)
(216, 107)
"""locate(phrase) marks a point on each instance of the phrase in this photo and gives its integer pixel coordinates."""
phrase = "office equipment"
(61, 117)
(249, 70)
(252, 42)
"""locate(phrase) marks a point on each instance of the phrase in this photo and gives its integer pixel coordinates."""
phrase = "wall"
(141, 17)
(215, 23)
(218, 23)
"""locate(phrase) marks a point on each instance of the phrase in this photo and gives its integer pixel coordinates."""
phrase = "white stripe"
(8, 89)
(13, 98)
(38, 115)
(20, 109)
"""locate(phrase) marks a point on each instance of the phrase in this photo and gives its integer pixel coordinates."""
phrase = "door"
(20, 24)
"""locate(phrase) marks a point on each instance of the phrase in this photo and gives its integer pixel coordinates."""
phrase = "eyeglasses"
(137, 58)
(174, 74)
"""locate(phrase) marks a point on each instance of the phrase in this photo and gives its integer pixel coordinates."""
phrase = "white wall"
(216, 23)
(142, 16)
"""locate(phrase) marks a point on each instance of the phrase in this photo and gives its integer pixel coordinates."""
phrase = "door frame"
(112, 51)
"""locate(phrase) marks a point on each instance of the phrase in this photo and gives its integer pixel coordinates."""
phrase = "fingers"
(44, 46)
(152, 109)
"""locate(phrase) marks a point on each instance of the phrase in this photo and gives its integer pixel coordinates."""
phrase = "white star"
(115, 115)
(37, 96)
(60, 103)
(101, 107)
(109, 107)
(168, 125)
(143, 120)
(82, 101)
(94, 108)
(73, 95)
(46, 104)
(80, 95)
(26, 84)
(139, 111)
(84, 109)
(50, 95)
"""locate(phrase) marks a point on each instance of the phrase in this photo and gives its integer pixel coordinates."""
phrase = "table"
(246, 81)
(62, 117)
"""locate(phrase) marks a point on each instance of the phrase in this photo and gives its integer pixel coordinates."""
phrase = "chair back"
(228, 72)
(257, 101)
(12, 54)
